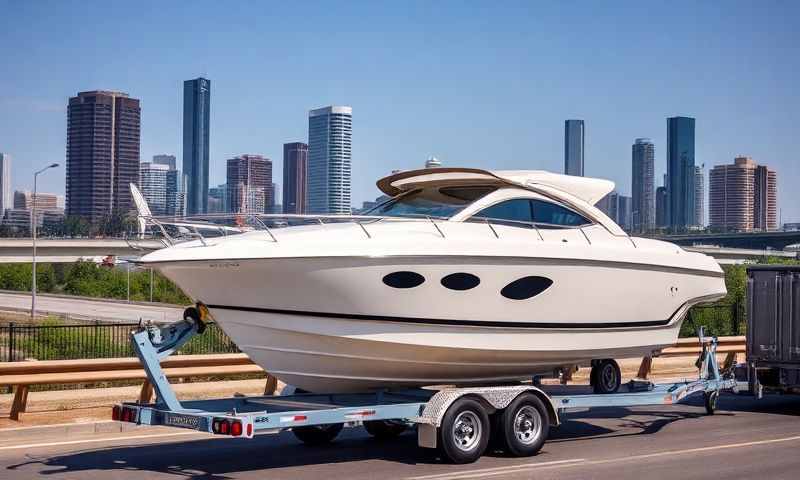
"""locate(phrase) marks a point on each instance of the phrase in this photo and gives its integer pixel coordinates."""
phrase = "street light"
(33, 236)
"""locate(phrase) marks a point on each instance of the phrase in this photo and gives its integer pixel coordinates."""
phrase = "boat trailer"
(458, 420)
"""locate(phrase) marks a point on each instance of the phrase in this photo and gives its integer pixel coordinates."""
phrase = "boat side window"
(551, 215)
(441, 202)
(516, 213)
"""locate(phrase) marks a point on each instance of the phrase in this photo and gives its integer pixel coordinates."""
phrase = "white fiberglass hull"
(332, 324)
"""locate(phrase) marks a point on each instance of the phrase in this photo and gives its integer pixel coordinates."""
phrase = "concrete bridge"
(67, 250)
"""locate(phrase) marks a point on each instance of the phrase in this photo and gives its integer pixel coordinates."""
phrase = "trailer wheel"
(384, 429)
(464, 433)
(317, 434)
(606, 376)
(710, 401)
(525, 425)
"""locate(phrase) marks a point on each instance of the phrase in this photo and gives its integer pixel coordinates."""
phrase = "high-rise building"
(574, 133)
(329, 155)
(5, 182)
(680, 172)
(699, 197)
(643, 205)
(618, 208)
(249, 183)
(295, 170)
(196, 122)
(153, 185)
(23, 200)
(661, 207)
(765, 216)
(742, 197)
(103, 130)
(168, 160)
(175, 193)
(216, 199)
(432, 162)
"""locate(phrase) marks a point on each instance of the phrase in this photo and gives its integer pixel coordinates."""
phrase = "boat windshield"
(439, 202)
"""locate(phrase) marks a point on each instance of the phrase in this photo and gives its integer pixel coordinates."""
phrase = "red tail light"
(236, 428)
(249, 429)
(115, 412)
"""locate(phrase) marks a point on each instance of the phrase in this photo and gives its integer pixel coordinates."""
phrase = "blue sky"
(484, 84)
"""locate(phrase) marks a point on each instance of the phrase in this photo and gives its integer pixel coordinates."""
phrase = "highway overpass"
(751, 240)
(67, 250)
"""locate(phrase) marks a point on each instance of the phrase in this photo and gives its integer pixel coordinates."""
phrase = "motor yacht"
(463, 276)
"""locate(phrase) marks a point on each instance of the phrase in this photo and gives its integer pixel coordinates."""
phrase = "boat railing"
(178, 229)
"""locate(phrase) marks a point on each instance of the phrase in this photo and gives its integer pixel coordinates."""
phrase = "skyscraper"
(680, 172)
(295, 169)
(573, 147)
(168, 160)
(153, 185)
(5, 183)
(661, 207)
(699, 197)
(196, 120)
(643, 179)
(742, 196)
(329, 170)
(103, 130)
(249, 183)
(176, 193)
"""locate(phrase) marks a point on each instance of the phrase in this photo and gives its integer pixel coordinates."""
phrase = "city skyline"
(521, 127)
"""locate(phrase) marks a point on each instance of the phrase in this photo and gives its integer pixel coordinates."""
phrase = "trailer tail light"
(115, 413)
(124, 414)
(234, 428)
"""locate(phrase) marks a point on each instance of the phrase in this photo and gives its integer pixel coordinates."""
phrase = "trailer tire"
(384, 429)
(525, 425)
(317, 434)
(465, 431)
(606, 375)
(710, 401)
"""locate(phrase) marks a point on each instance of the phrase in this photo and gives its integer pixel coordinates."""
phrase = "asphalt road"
(745, 439)
(105, 310)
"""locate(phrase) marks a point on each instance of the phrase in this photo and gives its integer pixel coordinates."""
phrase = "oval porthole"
(526, 287)
(403, 279)
(460, 281)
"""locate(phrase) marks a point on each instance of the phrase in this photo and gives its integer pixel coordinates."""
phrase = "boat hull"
(332, 324)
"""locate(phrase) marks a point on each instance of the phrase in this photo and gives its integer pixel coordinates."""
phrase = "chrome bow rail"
(175, 230)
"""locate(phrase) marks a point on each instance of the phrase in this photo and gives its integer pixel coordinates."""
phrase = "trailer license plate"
(186, 421)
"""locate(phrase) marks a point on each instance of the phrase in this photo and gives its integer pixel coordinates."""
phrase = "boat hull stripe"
(442, 321)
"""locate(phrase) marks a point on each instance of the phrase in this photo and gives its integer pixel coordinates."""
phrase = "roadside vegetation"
(89, 279)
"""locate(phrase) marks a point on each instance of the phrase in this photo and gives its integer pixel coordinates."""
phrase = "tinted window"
(551, 214)
(461, 281)
(403, 279)
(517, 210)
(526, 287)
(441, 202)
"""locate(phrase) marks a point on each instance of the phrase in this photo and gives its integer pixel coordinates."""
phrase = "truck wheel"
(317, 434)
(465, 431)
(710, 401)
(525, 425)
(607, 376)
(384, 429)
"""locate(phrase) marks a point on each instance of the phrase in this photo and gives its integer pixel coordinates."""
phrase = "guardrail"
(21, 375)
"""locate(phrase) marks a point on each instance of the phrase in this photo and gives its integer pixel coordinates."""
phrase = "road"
(106, 310)
(745, 439)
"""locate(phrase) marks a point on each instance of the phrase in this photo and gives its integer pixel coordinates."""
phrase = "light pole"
(33, 237)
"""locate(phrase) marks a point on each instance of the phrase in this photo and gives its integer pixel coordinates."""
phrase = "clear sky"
(484, 84)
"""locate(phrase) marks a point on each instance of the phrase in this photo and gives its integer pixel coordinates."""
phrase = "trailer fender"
(496, 397)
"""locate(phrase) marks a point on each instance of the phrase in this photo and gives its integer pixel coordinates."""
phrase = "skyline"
(444, 80)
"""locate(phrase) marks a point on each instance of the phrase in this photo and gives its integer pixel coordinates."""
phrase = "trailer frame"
(244, 416)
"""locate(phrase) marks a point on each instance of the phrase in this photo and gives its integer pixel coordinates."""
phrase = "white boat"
(464, 276)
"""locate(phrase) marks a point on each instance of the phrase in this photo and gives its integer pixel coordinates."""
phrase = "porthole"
(404, 279)
(461, 281)
(526, 287)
